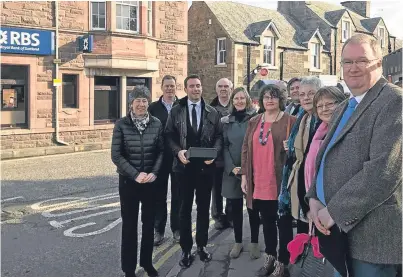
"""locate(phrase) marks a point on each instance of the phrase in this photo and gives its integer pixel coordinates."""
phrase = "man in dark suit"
(359, 166)
(193, 123)
(160, 109)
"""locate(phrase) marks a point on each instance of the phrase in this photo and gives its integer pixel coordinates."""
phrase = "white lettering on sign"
(21, 38)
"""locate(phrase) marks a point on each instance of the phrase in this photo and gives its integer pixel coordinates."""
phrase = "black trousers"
(131, 195)
(302, 227)
(217, 199)
(237, 217)
(161, 214)
(193, 182)
(268, 211)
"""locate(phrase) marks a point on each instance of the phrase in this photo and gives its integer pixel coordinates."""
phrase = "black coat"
(133, 152)
(158, 110)
(176, 131)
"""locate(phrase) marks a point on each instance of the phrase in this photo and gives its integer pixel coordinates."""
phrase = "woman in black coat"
(137, 151)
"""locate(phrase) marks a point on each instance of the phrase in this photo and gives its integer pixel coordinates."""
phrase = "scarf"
(239, 115)
(313, 152)
(284, 200)
(140, 122)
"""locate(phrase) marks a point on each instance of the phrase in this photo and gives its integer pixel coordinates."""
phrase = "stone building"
(392, 66)
(301, 38)
(68, 66)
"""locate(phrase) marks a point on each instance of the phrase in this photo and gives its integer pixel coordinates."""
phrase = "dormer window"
(315, 55)
(381, 36)
(268, 50)
(346, 33)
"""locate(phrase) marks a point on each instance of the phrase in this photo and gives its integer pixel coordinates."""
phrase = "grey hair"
(139, 92)
(311, 81)
(231, 85)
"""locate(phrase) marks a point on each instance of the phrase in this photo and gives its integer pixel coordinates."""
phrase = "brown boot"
(268, 266)
(279, 270)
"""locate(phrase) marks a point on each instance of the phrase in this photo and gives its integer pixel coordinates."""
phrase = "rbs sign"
(26, 41)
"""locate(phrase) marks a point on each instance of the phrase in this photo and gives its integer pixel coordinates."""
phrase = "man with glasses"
(358, 182)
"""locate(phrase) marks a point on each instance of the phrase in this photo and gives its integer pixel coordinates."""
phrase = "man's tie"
(194, 118)
(346, 116)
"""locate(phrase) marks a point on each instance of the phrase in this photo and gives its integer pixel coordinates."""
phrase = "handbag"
(310, 262)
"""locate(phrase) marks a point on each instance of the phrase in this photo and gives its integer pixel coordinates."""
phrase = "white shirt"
(359, 98)
(198, 111)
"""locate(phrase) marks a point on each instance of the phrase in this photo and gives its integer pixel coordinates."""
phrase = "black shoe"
(131, 274)
(151, 271)
(203, 254)
(186, 260)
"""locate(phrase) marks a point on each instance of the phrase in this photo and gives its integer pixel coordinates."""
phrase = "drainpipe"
(335, 51)
(58, 140)
(248, 65)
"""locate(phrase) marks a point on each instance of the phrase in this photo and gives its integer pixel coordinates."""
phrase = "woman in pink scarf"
(324, 103)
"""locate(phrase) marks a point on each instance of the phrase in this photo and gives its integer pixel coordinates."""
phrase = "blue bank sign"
(26, 41)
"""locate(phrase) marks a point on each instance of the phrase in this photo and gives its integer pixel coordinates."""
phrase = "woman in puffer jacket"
(137, 151)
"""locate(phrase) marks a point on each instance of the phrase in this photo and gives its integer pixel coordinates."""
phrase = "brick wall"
(202, 49)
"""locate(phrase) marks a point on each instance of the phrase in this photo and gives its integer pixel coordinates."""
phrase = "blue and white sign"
(26, 41)
(85, 43)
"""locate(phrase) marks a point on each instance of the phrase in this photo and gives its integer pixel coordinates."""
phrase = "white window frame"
(382, 38)
(269, 52)
(315, 55)
(149, 17)
(219, 51)
(132, 4)
(344, 30)
(91, 27)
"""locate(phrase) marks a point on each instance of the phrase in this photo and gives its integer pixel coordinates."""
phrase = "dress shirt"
(167, 106)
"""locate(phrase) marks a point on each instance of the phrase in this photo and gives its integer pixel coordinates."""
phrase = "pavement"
(61, 218)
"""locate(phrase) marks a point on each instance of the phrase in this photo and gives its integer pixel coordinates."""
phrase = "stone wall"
(33, 140)
(202, 49)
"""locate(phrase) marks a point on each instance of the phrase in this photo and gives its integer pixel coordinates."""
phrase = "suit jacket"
(363, 175)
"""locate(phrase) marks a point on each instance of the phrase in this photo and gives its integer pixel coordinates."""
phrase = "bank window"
(13, 93)
(149, 17)
(315, 54)
(127, 15)
(345, 30)
(69, 91)
(221, 50)
(106, 99)
(381, 36)
(98, 15)
(268, 50)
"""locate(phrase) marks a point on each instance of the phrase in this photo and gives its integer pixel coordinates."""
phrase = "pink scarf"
(313, 152)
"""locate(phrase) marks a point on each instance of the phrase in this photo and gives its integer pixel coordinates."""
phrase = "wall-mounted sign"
(57, 82)
(85, 43)
(27, 41)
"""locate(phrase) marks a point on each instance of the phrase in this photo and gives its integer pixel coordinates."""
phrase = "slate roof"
(241, 21)
(371, 23)
(331, 14)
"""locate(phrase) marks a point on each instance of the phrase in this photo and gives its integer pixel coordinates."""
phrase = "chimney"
(363, 8)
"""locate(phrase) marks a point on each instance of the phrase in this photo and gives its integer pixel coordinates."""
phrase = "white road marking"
(59, 224)
(11, 199)
(69, 232)
(93, 208)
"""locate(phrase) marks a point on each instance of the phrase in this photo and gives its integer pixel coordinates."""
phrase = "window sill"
(268, 66)
(220, 65)
(317, 70)
(105, 122)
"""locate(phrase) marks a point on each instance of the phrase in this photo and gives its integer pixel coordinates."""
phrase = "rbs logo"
(20, 38)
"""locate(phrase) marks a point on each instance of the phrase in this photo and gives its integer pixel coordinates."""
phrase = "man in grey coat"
(358, 183)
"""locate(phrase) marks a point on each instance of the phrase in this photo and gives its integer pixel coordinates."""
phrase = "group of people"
(325, 158)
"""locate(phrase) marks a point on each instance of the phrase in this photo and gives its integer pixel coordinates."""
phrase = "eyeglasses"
(359, 63)
(310, 94)
(326, 106)
(267, 98)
